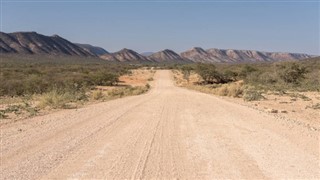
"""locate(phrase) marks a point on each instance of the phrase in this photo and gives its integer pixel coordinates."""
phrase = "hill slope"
(34, 43)
(166, 55)
(93, 49)
(125, 55)
(230, 55)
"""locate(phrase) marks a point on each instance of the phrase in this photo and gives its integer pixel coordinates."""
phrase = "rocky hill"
(229, 55)
(125, 55)
(34, 43)
(166, 55)
(93, 49)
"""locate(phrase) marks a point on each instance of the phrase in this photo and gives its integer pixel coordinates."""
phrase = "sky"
(154, 25)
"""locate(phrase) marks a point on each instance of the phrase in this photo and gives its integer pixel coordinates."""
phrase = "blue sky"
(289, 26)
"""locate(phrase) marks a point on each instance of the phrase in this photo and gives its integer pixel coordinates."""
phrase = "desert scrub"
(301, 96)
(3, 114)
(128, 91)
(17, 109)
(60, 99)
(300, 75)
(230, 89)
(20, 79)
(314, 106)
(251, 94)
(97, 95)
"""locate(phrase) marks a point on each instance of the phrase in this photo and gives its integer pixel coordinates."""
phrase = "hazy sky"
(289, 26)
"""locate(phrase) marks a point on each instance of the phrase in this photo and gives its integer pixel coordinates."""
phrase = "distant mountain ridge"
(125, 55)
(93, 49)
(166, 55)
(198, 54)
(34, 43)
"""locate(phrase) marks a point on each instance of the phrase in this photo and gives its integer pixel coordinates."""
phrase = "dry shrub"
(231, 89)
(97, 95)
(60, 99)
(251, 94)
(128, 91)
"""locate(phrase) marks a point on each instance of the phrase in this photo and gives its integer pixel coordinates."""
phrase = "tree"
(210, 75)
(292, 73)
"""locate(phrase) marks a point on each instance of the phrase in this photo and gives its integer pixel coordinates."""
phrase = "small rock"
(313, 129)
(272, 110)
(284, 111)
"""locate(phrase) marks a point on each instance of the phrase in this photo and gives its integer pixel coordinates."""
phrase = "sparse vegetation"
(252, 94)
(256, 78)
(211, 75)
(58, 83)
(18, 109)
(186, 70)
(128, 91)
(314, 106)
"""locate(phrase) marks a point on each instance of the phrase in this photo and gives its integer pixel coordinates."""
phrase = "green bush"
(247, 70)
(292, 73)
(210, 75)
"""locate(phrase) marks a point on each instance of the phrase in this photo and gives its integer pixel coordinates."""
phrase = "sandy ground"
(299, 107)
(289, 108)
(137, 77)
(170, 132)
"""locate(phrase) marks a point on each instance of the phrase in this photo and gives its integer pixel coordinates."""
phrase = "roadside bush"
(18, 109)
(231, 75)
(231, 90)
(251, 94)
(292, 73)
(128, 91)
(247, 70)
(104, 79)
(3, 114)
(97, 95)
(210, 75)
(186, 71)
(59, 99)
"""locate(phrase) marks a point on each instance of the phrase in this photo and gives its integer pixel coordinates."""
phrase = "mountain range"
(166, 55)
(125, 55)
(34, 43)
(93, 49)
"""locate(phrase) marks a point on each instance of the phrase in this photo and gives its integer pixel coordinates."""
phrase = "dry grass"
(234, 89)
(134, 83)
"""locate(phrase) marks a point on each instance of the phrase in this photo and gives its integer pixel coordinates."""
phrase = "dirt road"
(167, 133)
